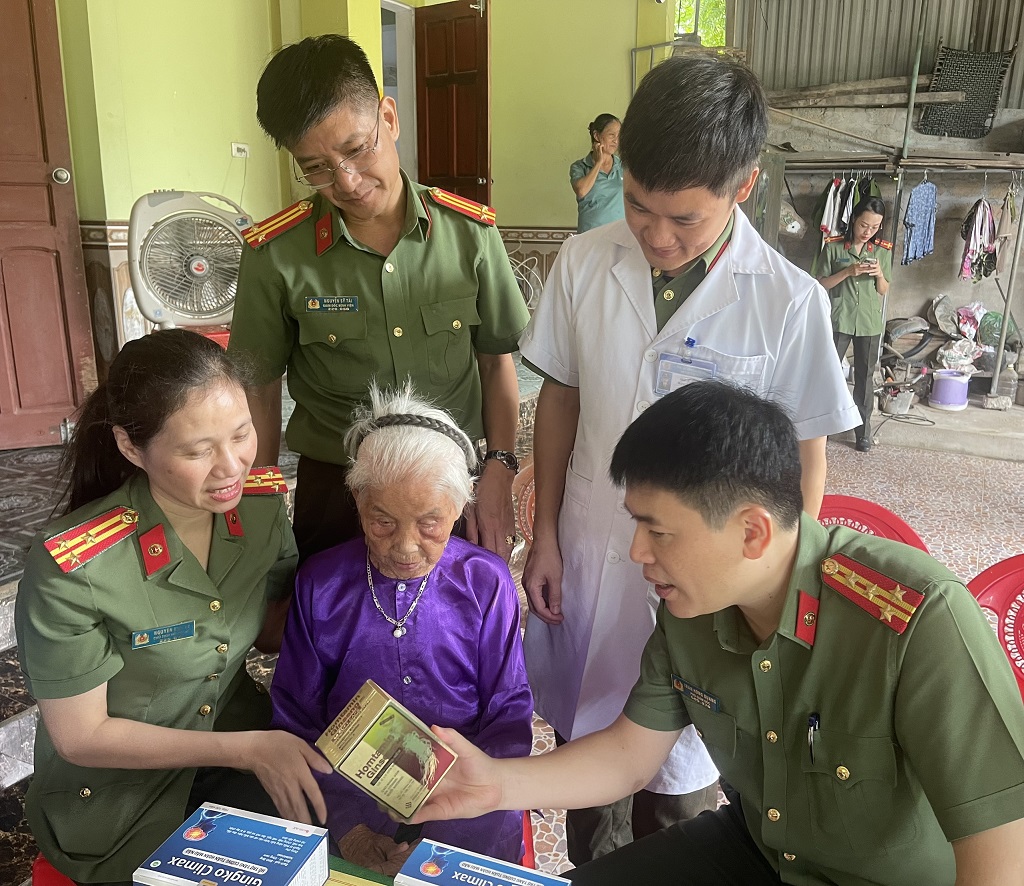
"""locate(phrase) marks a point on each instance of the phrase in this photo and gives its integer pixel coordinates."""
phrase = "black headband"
(431, 424)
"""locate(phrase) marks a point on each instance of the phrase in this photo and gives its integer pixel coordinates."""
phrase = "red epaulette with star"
(264, 481)
(885, 244)
(877, 594)
(470, 208)
(77, 546)
(263, 232)
(836, 239)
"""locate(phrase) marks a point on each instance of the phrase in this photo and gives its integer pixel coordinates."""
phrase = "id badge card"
(675, 371)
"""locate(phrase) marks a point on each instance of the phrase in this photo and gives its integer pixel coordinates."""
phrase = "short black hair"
(697, 121)
(716, 446)
(307, 81)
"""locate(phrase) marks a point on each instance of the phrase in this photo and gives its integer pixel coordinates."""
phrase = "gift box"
(438, 864)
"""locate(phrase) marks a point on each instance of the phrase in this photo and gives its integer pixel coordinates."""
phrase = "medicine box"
(437, 864)
(223, 846)
(379, 746)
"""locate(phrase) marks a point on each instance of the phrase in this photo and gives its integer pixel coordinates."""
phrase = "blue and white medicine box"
(223, 846)
(437, 864)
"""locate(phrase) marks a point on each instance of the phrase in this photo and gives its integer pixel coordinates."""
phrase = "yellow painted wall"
(555, 65)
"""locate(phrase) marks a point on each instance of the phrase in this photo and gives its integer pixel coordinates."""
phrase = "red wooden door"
(46, 354)
(453, 111)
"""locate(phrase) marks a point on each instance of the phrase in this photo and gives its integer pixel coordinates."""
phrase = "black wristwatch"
(508, 459)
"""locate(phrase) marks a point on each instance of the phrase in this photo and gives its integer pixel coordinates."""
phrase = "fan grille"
(190, 262)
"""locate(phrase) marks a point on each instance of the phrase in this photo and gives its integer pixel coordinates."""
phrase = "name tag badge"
(166, 634)
(675, 371)
(696, 694)
(332, 304)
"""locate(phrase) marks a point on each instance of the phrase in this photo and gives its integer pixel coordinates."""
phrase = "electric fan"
(183, 254)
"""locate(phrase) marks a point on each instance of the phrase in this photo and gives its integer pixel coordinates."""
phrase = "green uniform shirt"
(921, 734)
(348, 315)
(856, 304)
(671, 292)
(76, 631)
(603, 202)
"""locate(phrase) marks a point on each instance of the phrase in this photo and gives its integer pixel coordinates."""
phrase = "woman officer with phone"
(855, 270)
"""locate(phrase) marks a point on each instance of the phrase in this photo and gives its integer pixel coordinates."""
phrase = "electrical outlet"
(240, 150)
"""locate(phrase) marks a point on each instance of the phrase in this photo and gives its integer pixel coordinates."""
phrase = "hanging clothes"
(849, 201)
(919, 222)
(1006, 229)
(979, 233)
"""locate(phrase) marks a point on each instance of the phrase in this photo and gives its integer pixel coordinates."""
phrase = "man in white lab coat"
(683, 289)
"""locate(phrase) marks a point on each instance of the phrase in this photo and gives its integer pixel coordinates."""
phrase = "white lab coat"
(764, 324)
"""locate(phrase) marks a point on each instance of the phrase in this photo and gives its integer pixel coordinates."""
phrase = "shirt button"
(771, 736)
(669, 295)
(789, 856)
(406, 680)
(650, 356)
(613, 557)
(85, 793)
(204, 711)
(401, 586)
(215, 606)
(774, 814)
(655, 272)
(332, 338)
(213, 677)
(389, 267)
(766, 665)
(456, 324)
(842, 773)
(398, 332)
(642, 406)
(222, 648)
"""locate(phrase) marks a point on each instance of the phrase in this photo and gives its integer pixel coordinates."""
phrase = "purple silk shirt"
(460, 665)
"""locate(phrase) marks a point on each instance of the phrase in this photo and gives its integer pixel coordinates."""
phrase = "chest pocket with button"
(334, 343)
(747, 372)
(448, 325)
(852, 793)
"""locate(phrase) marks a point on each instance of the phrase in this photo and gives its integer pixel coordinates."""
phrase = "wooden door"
(453, 111)
(47, 364)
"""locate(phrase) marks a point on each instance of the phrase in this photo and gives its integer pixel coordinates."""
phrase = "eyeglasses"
(322, 176)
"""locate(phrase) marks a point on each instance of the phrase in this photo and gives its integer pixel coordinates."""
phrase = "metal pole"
(892, 238)
(1014, 267)
(852, 135)
(913, 79)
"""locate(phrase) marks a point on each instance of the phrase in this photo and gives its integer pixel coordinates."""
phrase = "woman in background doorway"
(856, 269)
(597, 178)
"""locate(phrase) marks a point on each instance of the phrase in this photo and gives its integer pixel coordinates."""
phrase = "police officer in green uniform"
(848, 687)
(137, 609)
(856, 269)
(373, 277)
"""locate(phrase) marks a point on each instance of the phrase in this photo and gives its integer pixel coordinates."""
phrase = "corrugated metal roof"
(813, 42)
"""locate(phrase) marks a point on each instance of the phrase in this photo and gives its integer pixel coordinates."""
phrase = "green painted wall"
(555, 65)
(173, 85)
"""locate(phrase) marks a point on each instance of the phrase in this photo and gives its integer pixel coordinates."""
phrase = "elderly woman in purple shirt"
(431, 618)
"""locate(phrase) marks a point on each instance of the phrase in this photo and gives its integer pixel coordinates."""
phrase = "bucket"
(898, 404)
(949, 390)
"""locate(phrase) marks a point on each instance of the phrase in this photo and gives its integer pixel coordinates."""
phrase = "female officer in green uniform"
(137, 609)
(856, 270)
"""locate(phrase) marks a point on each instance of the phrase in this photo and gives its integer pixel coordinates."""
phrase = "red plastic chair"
(867, 517)
(529, 856)
(45, 874)
(999, 591)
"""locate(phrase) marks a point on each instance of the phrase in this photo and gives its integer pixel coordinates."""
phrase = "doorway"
(398, 43)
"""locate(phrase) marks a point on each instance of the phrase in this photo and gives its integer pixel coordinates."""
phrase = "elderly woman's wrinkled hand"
(374, 851)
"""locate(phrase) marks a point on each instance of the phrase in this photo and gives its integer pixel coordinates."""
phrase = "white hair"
(427, 445)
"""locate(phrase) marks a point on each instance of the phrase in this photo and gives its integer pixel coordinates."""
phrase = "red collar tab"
(264, 481)
(469, 208)
(806, 618)
(877, 594)
(325, 233)
(718, 255)
(77, 546)
(234, 523)
(155, 555)
(265, 231)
